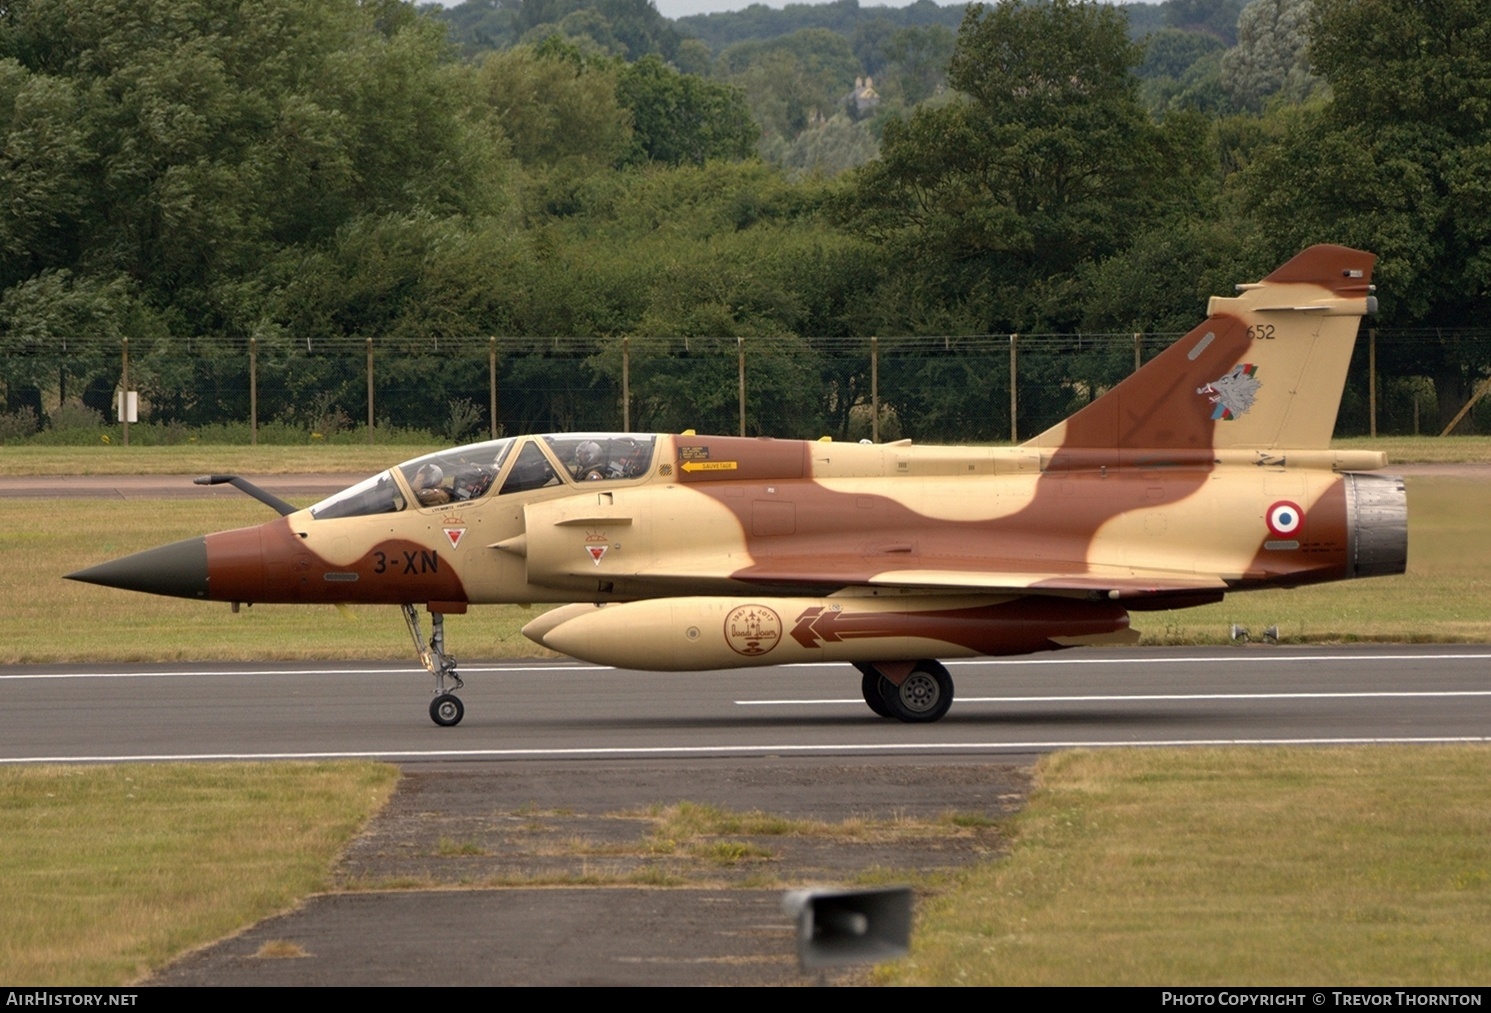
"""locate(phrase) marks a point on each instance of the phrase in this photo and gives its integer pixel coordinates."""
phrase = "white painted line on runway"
(1188, 659)
(626, 751)
(1221, 659)
(845, 701)
(218, 672)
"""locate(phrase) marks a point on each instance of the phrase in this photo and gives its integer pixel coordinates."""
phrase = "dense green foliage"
(842, 17)
(627, 28)
(194, 175)
(1046, 162)
(1398, 162)
(682, 118)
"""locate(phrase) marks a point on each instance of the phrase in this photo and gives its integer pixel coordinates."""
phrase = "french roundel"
(1285, 518)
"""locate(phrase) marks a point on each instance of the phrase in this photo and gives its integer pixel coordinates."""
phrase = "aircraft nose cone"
(178, 569)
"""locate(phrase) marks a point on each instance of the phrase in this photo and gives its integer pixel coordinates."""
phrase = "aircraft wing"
(823, 572)
(1131, 580)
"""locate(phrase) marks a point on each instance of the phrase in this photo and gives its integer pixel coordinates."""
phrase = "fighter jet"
(1206, 471)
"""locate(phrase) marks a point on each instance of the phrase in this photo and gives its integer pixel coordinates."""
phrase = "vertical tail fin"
(1265, 370)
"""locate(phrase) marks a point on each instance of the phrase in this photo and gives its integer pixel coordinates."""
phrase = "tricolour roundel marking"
(1285, 518)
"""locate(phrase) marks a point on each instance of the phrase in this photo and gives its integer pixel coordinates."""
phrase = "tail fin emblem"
(1234, 393)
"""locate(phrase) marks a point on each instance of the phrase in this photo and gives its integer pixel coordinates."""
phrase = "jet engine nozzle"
(1376, 525)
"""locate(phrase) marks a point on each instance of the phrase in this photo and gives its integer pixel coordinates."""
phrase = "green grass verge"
(1365, 866)
(108, 872)
(44, 618)
(193, 459)
(200, 459)
(1423, 449)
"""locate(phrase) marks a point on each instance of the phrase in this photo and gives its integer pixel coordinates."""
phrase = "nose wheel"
(446, 709)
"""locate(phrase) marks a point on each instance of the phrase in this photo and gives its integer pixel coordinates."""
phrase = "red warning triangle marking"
(455, 535)
(596, 552)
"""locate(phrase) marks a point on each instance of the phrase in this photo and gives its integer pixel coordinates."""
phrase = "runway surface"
(529, 710)
(578, 744)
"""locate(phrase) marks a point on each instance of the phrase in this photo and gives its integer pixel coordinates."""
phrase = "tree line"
(196, 171)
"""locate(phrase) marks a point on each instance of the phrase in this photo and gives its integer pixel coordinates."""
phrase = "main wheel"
(872, 685)
(446, 710)
(924, 695)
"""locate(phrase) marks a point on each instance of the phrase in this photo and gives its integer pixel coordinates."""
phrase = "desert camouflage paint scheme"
(1204, 472)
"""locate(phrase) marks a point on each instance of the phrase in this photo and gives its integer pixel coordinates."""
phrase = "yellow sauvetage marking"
(708, 466)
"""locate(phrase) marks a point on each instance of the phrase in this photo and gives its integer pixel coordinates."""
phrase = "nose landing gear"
(446, 709)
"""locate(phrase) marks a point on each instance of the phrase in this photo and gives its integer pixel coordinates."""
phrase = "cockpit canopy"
(473, 472)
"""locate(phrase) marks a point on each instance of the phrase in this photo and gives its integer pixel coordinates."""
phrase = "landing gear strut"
(446, 709)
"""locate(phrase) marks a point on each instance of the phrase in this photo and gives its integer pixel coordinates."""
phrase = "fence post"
(875, 390)
(1014, 400)
(1372, 382)
(740, 347)
(370, 390)
(1138, 350)
(492, 382)
(253, 392)
(626, 385)
(124, 392)
(1481, 390)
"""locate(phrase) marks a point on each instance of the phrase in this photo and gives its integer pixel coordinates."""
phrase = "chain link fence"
(946, 389)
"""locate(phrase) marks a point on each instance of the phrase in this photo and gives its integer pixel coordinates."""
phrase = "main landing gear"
(446, 709)
(924, 694)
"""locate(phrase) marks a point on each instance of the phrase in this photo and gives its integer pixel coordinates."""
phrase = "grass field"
(200, 459)
(1339, 867)
(45, 618)
(107, 872)
(196, 458)
(1423, 449)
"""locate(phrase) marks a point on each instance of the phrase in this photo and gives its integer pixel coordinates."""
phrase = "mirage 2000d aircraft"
(1204, 472)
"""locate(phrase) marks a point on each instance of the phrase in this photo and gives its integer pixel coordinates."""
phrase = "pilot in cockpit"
(590, 463)
(427, 487)
(471, 483)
